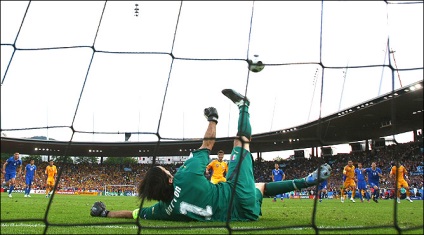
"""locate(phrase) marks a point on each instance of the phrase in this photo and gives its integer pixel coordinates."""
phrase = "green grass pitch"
(293, 216)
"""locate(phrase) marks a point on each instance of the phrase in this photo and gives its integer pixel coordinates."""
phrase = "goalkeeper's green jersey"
(196, 198)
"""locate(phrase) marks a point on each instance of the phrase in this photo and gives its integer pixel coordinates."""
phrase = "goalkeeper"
(190, 196)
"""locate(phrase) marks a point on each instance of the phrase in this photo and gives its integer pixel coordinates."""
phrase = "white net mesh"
(91, 71)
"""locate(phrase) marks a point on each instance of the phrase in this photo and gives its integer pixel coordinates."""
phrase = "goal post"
(119, 190)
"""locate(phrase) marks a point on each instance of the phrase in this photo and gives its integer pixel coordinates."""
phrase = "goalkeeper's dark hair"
(156, 186)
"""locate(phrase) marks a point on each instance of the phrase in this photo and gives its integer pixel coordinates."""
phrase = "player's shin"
(244, 127)
(11, 188)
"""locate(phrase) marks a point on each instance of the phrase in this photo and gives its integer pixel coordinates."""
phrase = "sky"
(87, 67)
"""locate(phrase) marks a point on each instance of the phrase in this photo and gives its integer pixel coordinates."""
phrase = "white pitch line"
(43, 225)
(135, 227)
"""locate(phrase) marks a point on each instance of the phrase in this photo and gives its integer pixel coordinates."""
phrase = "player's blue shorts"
(321, 187)
(279, 196)
(28, 180)
(372, 184)
(9, 176)
(362, 184)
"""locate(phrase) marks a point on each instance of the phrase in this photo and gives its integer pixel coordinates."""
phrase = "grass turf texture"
(293, 216)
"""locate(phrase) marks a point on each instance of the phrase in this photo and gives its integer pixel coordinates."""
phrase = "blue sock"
(11, 189)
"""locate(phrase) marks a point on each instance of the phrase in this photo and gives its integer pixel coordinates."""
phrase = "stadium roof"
(390, 114)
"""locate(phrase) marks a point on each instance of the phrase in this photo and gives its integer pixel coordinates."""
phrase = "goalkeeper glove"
(211, 114)
(99, 209)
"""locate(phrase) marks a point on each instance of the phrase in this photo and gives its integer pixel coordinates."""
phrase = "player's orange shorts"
(215, 180)
(50, 181)
(349, 183)
(402, 183)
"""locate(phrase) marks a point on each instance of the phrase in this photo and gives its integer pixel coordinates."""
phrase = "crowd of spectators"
(94, 177)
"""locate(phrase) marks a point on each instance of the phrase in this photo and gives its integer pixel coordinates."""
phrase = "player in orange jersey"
(349, 180)
(401, 178)
(51, 173)
(219, 168)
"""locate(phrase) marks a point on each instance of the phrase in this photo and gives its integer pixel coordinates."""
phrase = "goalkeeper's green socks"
(244, 128)
(280, 187)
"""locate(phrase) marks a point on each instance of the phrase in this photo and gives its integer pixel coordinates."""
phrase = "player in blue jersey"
(189, 195)
(361, 182)
(322, 189)
(278, 175)
(29, 173)
(12, 166)
(374, 173)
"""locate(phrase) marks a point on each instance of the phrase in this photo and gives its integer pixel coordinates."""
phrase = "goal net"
(140, 71)
(119, 190)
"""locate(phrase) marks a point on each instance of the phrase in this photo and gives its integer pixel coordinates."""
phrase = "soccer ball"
(255, 65)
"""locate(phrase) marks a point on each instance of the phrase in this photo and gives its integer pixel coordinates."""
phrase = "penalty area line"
(132, 227)
(83, 226)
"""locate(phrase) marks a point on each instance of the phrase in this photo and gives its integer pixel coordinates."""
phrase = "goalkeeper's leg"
(286, 186)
